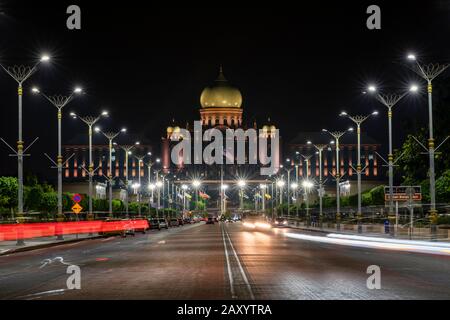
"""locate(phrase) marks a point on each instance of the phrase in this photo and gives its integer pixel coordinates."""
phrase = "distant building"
(372, 173)
(220, 108)
(75, 174)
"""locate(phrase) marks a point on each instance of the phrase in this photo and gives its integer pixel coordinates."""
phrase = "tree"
(33, 197)
(443, 187)
(8, 192)
(49, 202)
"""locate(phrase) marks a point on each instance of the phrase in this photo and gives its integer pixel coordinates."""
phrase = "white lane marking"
(107, 239)
(240, 268)
(44, 293)
(162, 242)
(227, 257)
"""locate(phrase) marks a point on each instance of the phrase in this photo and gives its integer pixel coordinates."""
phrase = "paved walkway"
(11, 246)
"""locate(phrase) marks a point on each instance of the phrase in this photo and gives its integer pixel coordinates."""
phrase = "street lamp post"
(184, 187)
(20, 74)
(110, 136)
(320, 148)
(127, 149)
(288, 170)
(90, 121)
(196, 184)
(306, 185)
(149, 181)
(389, 101)
(429, 73)
(358, 120)
(158, 185)
(280, 185)
(140, 161)
(337, 135)
(59, 102)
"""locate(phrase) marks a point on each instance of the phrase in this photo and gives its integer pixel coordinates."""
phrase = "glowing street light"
(110, 136)
(59, 102)
(20, 73)
(429, 72)
(90, 121)
(127, 149)
(337, 135)
(358, 120)
(389, 101)
(280, 183)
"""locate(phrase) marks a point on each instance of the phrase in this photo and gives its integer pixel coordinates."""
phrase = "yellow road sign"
(76, 208)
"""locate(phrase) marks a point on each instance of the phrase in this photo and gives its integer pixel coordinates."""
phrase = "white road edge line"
(230, 276)
(240, 268)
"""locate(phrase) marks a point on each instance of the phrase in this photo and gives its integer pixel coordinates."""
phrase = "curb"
(46, 245)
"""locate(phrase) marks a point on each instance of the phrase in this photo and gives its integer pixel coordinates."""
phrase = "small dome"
(221, 94)
(265, 128)
(176, 129)
(169, 129)
(273, 128)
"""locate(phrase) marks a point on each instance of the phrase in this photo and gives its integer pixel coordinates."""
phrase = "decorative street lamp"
(358, 120)
(140, 161)
(429, 72)
(151, 186)
(127, 149)
(321, 191)
(306, 186)
(20, 74)
(110, 136)
(90, 121)
(337, 135)
(389, 101)
(59, 102)
(280, 184)
(184, 187)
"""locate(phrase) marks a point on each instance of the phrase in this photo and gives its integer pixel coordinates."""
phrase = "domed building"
(221, 107)
(221, 104)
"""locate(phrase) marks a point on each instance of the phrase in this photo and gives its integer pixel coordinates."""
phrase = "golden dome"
(169, 129)
(221, 94)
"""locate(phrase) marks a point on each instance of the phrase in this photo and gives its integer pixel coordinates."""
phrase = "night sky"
(299, 65)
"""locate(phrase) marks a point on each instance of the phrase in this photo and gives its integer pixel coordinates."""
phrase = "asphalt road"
(220, 261)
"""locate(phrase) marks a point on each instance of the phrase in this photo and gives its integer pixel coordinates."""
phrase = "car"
(174, 222)
(280, 222)
(163, 224)
(187, 221)
(154, 224)
(195, 219)
(180, 222)
(210, 220)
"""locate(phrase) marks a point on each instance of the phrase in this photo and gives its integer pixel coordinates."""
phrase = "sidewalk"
(7, 247)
